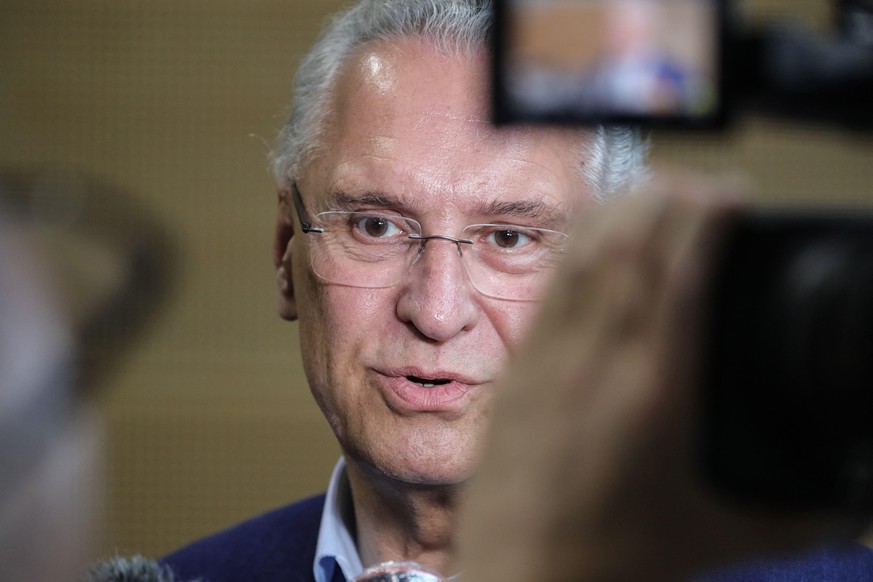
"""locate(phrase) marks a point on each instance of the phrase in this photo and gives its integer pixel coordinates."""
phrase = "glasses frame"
(302, 214)
(307, 226)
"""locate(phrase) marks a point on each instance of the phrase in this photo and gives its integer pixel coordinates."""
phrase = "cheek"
(350, 315)
(315, 334)
(513, 322)
(338, 327)
(332, 309)
(336, 324)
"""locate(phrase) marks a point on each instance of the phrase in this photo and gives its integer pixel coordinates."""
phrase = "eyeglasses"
(374, 250)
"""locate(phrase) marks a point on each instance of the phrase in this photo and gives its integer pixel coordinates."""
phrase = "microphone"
(133, 569)
(399, 572)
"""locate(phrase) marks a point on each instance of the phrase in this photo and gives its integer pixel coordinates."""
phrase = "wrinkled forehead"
(407, 86)
(407, 109)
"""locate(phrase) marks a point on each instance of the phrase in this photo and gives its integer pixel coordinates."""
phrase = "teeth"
(426, 383)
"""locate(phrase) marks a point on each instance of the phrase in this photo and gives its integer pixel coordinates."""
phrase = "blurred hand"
(590, 471)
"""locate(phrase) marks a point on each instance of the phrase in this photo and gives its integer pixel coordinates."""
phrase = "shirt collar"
(336, 555)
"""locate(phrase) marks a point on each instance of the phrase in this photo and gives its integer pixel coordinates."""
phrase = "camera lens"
(789, 374)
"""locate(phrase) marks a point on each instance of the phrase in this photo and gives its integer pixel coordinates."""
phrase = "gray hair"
(612, 160)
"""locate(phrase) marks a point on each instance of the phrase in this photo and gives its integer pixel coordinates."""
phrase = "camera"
(787, 384)
(676, 64)
(610, 61)
(787, 374)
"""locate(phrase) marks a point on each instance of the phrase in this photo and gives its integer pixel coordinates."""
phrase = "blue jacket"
(277, 546)
(280, 546)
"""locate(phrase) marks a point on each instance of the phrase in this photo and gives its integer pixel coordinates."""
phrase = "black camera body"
(788, 371)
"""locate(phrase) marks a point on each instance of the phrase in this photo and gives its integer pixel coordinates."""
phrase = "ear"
(286, 301)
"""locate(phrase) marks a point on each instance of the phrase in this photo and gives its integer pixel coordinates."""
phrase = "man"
(414, 244)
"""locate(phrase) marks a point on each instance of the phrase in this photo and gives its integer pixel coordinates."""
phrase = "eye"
(375, 226)
(508, 238)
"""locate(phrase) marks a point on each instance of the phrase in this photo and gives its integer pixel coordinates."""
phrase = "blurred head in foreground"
(50, 485)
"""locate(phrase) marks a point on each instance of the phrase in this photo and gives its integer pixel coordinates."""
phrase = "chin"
(423, 454)
(440, 478)
(428, 473)
(432, 472)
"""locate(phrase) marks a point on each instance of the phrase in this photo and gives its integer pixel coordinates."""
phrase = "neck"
(403, 522)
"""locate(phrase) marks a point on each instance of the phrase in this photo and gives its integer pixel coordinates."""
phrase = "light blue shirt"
(336, 555)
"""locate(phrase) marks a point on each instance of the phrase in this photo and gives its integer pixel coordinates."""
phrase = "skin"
(409, 124)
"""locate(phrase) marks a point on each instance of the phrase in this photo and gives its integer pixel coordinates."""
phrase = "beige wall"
(173, 101)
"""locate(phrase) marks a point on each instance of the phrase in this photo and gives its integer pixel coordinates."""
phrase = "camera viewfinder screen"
(608, 60)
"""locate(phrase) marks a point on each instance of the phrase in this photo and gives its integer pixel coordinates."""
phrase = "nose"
(437, 297)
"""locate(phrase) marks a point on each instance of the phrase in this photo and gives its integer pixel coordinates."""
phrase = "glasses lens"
(513, 262)
(364, 249)
(373, 250)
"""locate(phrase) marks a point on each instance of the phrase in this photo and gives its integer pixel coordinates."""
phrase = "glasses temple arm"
(302, 215)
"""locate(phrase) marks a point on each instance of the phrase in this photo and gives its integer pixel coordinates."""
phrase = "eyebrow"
(547, 216)
(530, 209)
(342, 200)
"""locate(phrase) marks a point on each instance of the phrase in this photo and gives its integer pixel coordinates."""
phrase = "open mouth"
(428, 382)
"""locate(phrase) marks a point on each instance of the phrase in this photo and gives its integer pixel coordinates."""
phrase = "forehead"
(412, 120)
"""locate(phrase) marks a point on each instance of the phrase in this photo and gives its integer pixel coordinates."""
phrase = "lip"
(410, 396)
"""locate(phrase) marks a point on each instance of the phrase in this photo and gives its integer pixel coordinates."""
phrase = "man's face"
(411, 126)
